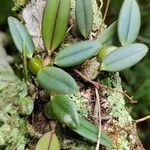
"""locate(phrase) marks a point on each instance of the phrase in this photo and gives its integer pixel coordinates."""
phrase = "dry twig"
(99, 118)
(143, 119)
(105, 14)
(98, 86)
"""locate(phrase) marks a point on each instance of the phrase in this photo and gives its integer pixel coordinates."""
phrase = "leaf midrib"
(16, 26)
(127, 37)
(57, 80)
(123, 57)
(53, 33)
(75, 53)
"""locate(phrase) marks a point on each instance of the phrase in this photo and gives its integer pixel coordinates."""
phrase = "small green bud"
(35, 65)
(105, 51)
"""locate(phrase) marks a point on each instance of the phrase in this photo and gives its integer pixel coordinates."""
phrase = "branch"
(98, 86)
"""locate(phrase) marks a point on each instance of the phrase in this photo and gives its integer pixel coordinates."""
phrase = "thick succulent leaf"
(56, 80)
(48, 141)
(124, 57)
(129, 22)
(55, 22)
(77, 53)
(63, 109)
(84, 16)
(109, 35)
(21, 36)
(90, 132)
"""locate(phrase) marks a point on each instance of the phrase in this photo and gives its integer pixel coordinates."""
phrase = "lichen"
(118, 110)
(117, 101)
(13, 128)
(76, 145)
(82, 104)
(67, 119)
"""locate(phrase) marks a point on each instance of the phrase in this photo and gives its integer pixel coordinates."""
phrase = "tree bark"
(115, 118)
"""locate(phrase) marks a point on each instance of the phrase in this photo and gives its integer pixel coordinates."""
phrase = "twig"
(101, 1)
(86, 79)
(121, 92)
(142, 119)
(99, 118)
(98, 86)
(105, 14)
(70, 28)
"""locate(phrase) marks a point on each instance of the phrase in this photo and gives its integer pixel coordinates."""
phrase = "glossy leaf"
(90, 132)
(48, 141)
(63, 109)
(84, 16)
(21, 36)
(56, 80)
(55, 22)
(77, 53)
(129, 22)
(124, 57)
(109, 35)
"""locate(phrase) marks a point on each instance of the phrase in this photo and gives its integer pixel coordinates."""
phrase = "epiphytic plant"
(127, 27)
(111, 55)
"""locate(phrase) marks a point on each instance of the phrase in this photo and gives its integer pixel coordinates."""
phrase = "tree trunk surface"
(115, 118)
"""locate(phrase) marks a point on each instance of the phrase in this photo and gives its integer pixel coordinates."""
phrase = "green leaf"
(105, 51)
(90, 132)
(60, 106)
(129, 22)
(48, 111)
(63, 109)
(124, 57)
(109, 35)
(21, 36)
(84, 16)
(56, 80)
(48, 141)
(55, 22)
(77, 53)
